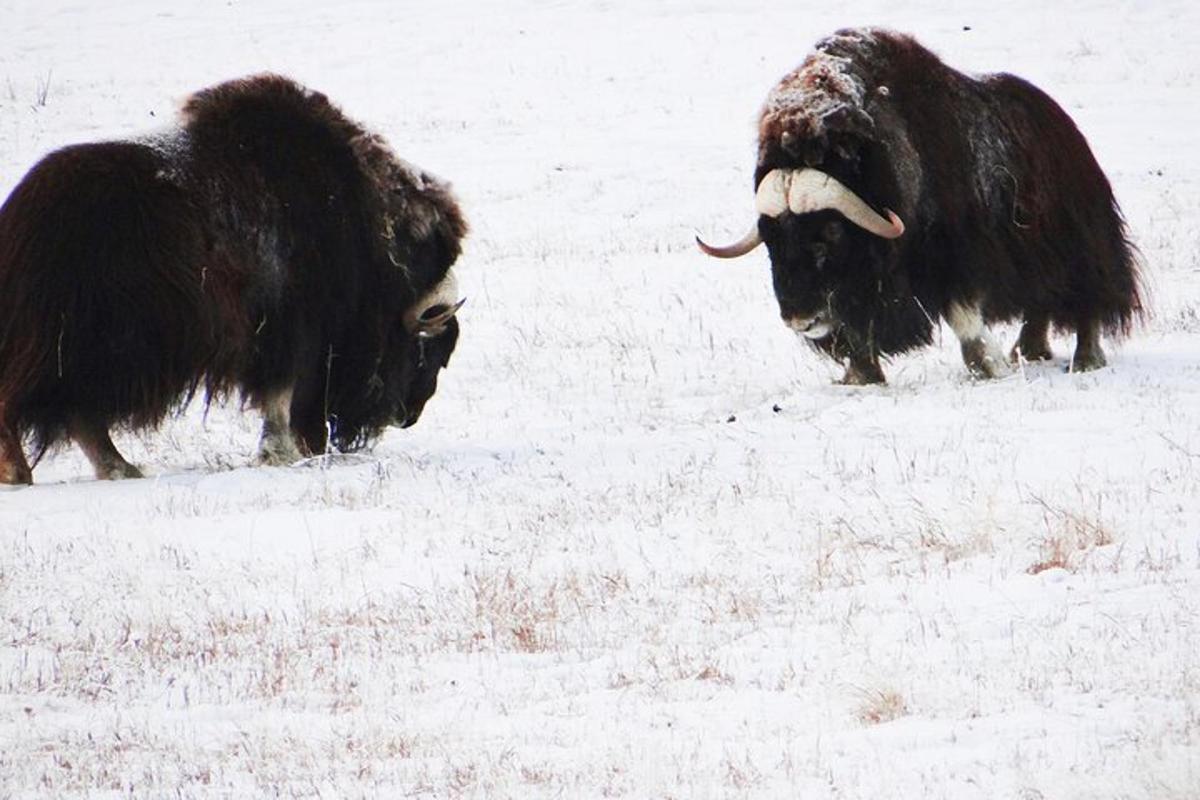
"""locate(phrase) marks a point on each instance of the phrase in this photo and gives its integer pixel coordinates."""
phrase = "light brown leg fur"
(94, 440)
(277, 445)
(14, 469)
(1088, 353)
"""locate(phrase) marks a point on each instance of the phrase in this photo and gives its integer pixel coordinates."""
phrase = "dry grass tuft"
(880, 706)
(1068, 537)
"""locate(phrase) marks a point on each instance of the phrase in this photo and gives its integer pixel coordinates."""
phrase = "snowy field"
(639, 545)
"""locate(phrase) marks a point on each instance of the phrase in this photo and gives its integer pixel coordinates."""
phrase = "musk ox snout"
(817, 326)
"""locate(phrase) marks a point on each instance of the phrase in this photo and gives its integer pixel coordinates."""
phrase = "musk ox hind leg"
(92, 437)
(14, 469)
(1033, 344)
(277, 445)
(980, 353)
(1088, 354)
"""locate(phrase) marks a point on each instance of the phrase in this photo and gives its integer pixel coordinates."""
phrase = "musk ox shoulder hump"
(833, 88)
(251, 114)
(259, 93)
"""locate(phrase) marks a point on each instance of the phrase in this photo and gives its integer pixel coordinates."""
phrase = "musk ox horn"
(433, 321)
(429, 315)
(770, 200)
(802, 191)
(739, 248)
(813, 190)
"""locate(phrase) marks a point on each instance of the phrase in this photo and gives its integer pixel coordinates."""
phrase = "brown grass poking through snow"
(880, 706)
(1068, 537)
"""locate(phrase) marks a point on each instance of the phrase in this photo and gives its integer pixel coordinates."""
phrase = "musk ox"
(267, 245)
(893, 190)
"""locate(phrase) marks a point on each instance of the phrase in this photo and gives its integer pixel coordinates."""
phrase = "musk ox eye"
(832, 232)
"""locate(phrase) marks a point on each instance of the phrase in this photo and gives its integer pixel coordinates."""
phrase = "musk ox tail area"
(1065, 222)
(95, 313)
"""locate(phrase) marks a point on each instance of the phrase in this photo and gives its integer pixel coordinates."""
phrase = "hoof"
(1031, 354)
(984, 359)
(1086, 362)
(278, 449)
(275, 459)
(278, 456)
(119, 472)
(862, 375)
(14, 477)
(990, 368)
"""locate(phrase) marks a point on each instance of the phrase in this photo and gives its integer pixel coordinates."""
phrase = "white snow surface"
(639, 545)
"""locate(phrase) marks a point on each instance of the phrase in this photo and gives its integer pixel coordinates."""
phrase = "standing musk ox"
(893, 190)
(268, 245)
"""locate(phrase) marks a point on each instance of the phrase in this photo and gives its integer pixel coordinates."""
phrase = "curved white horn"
(813, 190)
(445, 293)
(770, 200)
(434, 322)
(739, 248)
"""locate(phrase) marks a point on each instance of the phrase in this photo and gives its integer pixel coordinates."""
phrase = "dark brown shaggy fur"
(269, 244)
(1005, 205)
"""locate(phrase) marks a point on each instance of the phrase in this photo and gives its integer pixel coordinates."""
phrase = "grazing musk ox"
(268, 245)
(892, 189)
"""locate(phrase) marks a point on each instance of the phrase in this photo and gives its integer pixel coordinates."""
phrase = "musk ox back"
(893, 190)
(267, 245)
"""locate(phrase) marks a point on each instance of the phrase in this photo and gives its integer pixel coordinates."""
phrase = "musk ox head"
(424, 229)
(426, 239)
(432, 333)
(820, 235)
(826, 182)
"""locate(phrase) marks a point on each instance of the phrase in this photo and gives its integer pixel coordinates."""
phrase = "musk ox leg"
(862, 363)
(980, 352)
(1034, 342)
(862, 371)
(1088, 354)
(92, 437)
(312, 434)
(277, 446)
(14, 469)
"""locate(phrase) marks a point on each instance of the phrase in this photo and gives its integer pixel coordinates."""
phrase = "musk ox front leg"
(14, 469)
(277, 445)
(1088, 354)
(1034, 342)
(92, 437)
(862, 371)
(862, 363)
(980, 352)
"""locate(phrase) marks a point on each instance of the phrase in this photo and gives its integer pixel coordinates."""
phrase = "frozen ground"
(639, 545)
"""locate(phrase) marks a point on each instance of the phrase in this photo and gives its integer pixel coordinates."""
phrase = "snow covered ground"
(639, 545)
